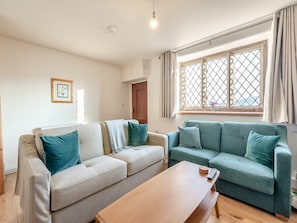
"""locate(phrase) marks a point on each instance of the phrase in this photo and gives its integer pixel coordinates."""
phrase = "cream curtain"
(280, 98)
(169, 89)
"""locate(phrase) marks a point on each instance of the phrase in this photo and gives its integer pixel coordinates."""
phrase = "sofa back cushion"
(106, 138)
(260, 148)
(235, 135)
(90, 137)
(210, 133)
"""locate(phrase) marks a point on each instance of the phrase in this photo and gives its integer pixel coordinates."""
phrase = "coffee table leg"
(217, 210)
(216, 205)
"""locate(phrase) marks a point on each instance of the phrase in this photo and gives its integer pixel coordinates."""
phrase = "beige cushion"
(90, 136)
(80, 181)
(91, 144)
(140, 157)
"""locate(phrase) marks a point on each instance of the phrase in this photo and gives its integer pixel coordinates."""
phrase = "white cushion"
(90, 137)
(91, 143)
(80, 181)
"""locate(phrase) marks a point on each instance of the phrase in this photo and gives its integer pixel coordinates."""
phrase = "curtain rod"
(226, 33)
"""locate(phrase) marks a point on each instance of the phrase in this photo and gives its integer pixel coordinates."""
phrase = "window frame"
(250, 110)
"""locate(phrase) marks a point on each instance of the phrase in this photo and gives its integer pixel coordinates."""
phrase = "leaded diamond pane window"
(246, 77)
(231, 81)
(191, 86)
(216, 82)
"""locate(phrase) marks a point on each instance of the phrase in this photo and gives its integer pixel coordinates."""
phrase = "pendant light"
(154, 22)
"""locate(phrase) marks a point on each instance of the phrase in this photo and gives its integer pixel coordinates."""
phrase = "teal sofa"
(224, 148)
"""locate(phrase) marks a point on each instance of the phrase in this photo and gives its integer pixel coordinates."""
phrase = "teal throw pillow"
(189, 137)
(137, 134)
(260, 148)
(61, 152)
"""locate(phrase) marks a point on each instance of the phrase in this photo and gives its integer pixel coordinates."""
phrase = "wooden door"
(139, 102)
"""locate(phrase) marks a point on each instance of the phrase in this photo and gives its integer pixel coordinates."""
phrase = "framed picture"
(61, 90)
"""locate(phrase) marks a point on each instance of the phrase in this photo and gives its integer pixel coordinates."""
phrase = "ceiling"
(79, 26)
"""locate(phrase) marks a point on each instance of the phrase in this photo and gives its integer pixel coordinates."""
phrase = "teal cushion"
(61, 152)
(260, 148)
(235, 135)
(137, 134)
(189, 137)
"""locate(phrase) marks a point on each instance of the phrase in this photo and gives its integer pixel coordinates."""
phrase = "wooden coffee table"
(178, 194)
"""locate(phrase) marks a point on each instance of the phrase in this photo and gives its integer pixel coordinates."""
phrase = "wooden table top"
(170, 196)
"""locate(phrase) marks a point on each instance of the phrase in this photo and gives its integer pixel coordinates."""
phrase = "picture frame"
(62, 90)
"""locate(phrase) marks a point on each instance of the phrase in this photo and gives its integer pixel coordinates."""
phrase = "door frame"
(135, 83)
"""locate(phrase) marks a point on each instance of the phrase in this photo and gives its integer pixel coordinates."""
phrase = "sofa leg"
(281, 217)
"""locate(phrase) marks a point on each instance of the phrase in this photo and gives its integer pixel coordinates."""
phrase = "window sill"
(221, 113)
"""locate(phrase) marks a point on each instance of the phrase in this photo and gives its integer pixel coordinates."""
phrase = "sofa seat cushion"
(199, 156)
(244, 172)
(82, 180)
(140, 157)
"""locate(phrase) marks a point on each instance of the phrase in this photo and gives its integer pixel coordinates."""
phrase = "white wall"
(156, 123)
(25, 72)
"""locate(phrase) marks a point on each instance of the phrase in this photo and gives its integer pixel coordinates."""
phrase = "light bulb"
(154, 22)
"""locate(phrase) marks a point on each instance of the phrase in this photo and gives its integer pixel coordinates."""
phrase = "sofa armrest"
(282, 174)
(159, 139)
(173, 139)
(32, 183)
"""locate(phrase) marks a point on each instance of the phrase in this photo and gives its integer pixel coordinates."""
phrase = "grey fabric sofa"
(224, 147)
(77, 193)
